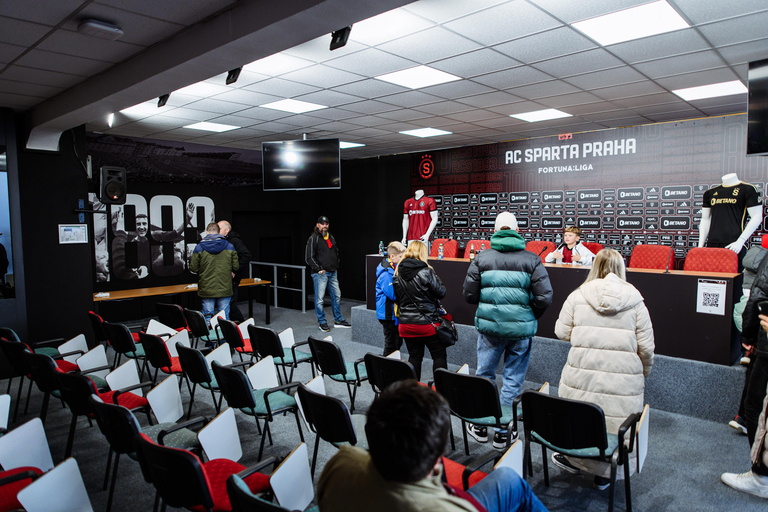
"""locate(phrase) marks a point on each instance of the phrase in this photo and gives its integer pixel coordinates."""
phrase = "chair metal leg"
(544, 463)
(612, 488)
(44, 410)
(112, 485)
(263, 438)
(627, 491)
(18, 398)
(216, 404)
(298, 424)
(314, 454)
(453, 442)
(464, 431)
(29, 393)
(192, 400)
(106, 471)
(71, 438)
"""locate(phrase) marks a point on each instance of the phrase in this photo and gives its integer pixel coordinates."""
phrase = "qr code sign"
(710, 300)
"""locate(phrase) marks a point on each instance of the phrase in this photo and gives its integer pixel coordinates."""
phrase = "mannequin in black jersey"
(724, 212)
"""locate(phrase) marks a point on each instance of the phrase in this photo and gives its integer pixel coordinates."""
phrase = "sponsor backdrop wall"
(641, 184)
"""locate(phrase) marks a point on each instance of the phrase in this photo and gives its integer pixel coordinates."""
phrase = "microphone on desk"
(542, 250)
(669, 258)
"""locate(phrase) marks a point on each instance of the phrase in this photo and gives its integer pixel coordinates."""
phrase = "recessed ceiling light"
(111, 119)
(212, 127)
(420, 76)
(145, 109)
(294, 106)
(426, 132)
(712, 90)
(641, 21)
(203, 89)
(345, 145)
(540, 115)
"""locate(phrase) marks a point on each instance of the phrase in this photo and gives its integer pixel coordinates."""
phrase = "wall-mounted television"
(301, 164)
(757, 111)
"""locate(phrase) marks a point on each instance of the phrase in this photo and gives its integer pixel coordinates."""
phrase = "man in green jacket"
(214, 260)
(512, 290)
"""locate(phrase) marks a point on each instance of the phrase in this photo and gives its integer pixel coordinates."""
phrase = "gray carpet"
(687, 453)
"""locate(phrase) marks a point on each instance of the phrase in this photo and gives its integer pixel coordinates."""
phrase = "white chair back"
(26, 445)
(165, 400)
(124, 376)
(94, 358)
(76, 344)
(291, 481)
(262, 374)
(221, 355)
(159, 329)
(59, 490)
(5, 409)
(220, 438)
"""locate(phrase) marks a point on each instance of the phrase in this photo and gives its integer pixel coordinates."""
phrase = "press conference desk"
(670, 297)
(138, 293)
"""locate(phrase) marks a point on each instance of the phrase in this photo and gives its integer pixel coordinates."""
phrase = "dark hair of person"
(212, 228)
(407, 429)
(142, 216)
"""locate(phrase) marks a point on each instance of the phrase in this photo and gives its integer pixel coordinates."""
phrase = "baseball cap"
(505, 219)
(323, 220)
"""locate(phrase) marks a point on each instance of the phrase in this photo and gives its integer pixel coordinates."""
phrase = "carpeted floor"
(682, 472)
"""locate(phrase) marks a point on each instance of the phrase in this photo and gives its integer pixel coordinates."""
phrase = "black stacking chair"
(330, 361)
(266, 342)
(196, 369)
(383, 371)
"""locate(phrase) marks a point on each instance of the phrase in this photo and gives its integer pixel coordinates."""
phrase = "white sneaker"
(748, 482)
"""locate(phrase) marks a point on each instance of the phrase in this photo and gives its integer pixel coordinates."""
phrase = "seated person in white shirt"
(571, 250)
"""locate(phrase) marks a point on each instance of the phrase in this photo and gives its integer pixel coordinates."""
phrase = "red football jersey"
(419, 217)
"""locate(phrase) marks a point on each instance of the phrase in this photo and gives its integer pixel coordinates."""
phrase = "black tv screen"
(757, 111)
(301, 164)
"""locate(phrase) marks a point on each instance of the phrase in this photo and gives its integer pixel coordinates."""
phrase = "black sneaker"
(601, 483)
(561, 462)
(325, 328)
(343, 324)
(479, 433)
(500, 440)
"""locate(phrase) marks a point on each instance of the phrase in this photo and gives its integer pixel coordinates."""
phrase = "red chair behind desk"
(711, 259)
(540, 247)
(476, 244)
(450, 248)
(593, 247)
(652, 256)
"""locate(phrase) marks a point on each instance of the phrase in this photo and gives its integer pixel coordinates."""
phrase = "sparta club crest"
(426, 167)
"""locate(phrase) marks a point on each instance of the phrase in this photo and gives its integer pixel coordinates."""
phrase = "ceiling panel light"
(712, 90)
(541, 115)
(345, 145)
(426, 132)
(420, 76)
(294, 106)
(145, 109)
(641, 21)
(212, 127)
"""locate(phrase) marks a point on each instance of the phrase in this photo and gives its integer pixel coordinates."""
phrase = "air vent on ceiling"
(100, 29)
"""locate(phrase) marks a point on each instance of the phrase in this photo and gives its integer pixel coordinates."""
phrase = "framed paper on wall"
(73, 233)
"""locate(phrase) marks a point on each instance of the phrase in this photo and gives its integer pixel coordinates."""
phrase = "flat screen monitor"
(757, 111)
(301, 164)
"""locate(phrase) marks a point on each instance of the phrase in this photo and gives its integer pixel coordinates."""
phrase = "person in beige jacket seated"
(611, 336)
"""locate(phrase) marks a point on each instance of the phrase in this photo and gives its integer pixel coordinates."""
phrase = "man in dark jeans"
(244, 258)
(322, 256)
(755, 481)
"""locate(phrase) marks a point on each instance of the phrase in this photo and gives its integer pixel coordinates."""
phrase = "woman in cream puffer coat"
(612, 344)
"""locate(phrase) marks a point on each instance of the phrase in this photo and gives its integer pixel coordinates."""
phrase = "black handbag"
(446, 331)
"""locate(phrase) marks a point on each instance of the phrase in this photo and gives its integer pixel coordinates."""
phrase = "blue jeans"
(331, 281)
(504, 491)
(219, 303)
(516, 354)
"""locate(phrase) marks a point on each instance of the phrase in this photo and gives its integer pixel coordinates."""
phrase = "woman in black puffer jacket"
(418, 289)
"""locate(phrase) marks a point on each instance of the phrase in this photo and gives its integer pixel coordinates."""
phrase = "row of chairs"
(661, 257)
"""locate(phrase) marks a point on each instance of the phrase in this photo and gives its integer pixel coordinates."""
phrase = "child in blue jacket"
(385, 297)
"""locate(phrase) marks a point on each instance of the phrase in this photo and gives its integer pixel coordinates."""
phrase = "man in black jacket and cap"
(322, 256)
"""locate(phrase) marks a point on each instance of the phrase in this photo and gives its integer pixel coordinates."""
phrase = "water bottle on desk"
(440, 252)
(382, 249)
(482, 247)
(472, 253)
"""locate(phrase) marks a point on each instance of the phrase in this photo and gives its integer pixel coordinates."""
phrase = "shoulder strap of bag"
(405, 289)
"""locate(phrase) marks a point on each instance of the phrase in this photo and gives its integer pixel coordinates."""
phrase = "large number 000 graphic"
(155, 240)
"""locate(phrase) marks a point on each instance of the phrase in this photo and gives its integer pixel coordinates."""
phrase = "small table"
(137, 293)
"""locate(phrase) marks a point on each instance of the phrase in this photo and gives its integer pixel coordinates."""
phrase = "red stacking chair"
(593, 247)
(537, 246)
(450, 248)
(652, 256)
(476, 245)
(711, 259)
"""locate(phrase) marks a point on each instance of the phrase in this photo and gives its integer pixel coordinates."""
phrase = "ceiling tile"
(193, 11)
(370, 107)
(745, 52)
(712, 76)
(43, 11)
(490, 99)
(546, 45)
(26, 88)
(680, 64)
(246, 97)
(605, 78)
(138, 29)
(388, 26)
(738, 30)
(40, 76)
(18, 102)
(543, 89)
(519, 76)
(323, 76)
(409, 99)
(441, 11)
(627, 90)
(571, 12)
(650, 99)
(484, 26)
(479, 62)
(20, 32)
(583, 62)
(704, 12)
(217, 106)
(318, 49)
(371, 62)
(281, 88)
(569, 100)
(442, 107)
(473, 115)
(50, 61)
(8, 52)
(72, 43)
(430, 45)
(329, 98)
(658, 46)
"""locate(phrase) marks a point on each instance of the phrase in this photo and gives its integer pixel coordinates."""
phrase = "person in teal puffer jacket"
(512, 290)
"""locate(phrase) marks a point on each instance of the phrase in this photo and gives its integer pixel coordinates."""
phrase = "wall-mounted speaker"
(112, 185)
